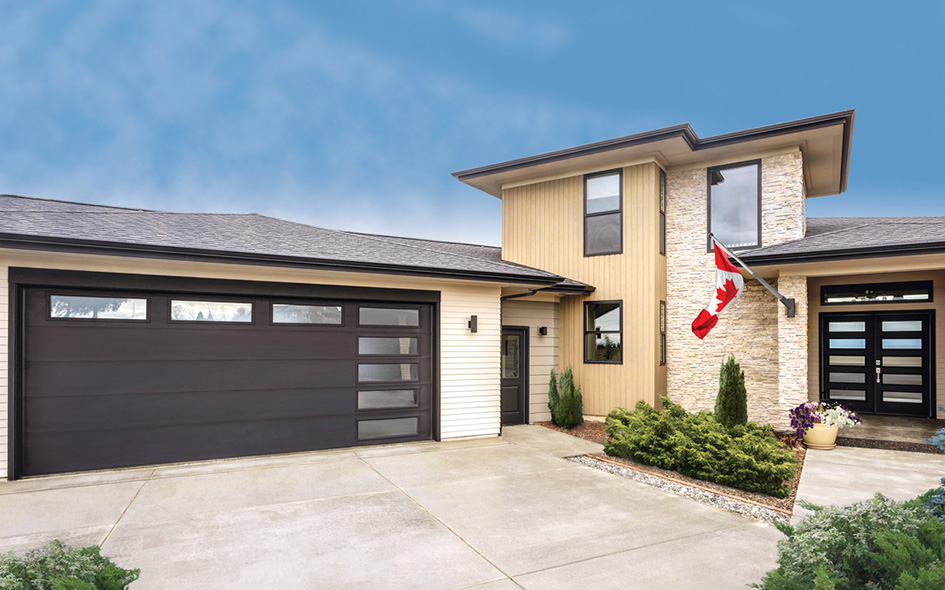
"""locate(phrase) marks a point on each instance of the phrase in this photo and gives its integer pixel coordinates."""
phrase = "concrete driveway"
(489, 514)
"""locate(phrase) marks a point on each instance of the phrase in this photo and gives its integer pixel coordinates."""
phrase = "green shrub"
(879, 544)
(565, 401)
(731, 404)
(747, 457)
(60, 567)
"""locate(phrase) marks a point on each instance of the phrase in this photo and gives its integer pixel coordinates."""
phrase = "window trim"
(929, 285)
(708, 199)
(619, 303)
(662, 331)
(619, 210)
(661, 195)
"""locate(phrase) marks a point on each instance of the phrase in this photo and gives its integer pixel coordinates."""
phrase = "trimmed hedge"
(747, 457)
(60, 567)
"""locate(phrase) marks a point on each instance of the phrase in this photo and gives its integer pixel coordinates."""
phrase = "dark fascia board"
(52, 244)
(849, 254)
(686, 132)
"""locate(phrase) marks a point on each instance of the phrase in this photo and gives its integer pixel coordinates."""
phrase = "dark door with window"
(514, 374)
(879, 362)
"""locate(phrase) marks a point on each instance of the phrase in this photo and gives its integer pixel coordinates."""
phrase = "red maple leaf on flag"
(725, 294)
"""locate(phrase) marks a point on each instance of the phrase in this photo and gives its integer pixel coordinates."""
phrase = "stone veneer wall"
(771, 349)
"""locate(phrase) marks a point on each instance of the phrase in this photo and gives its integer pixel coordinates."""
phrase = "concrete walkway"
(848, 474)
(491, 514)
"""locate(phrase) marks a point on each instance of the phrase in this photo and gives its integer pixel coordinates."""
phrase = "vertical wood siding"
(542, 350)
(543, 226)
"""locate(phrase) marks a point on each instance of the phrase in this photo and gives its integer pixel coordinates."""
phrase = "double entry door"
(879, 362)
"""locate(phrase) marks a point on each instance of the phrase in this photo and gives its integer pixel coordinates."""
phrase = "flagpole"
(788, 302)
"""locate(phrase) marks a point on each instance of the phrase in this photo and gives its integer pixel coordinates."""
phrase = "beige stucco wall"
(542, 351)
(763, 340)
(469, 363)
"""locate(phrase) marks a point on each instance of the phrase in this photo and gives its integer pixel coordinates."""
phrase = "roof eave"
(846, 254)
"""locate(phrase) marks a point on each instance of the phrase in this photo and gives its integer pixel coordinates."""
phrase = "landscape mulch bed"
(595, 432)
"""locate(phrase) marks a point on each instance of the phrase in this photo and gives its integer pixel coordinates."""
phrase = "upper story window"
(662, 212)
(603, 221)
(735, 204)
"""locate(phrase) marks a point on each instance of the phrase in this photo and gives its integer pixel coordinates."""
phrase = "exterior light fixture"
(473, 323)
(543, 330)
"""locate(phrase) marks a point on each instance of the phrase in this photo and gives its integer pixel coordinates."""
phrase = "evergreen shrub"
(731, 404)
(878, 544)
(746, 456)
(60, 567)
(565, 400)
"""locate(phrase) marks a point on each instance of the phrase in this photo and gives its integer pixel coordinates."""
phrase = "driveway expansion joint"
(120, 516)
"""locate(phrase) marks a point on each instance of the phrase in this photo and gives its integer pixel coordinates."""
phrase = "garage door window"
(378, 316)
(98, 308)
(387, 399)
(379, 372)
(211, 311)
(387, 346)
(368, 429)
(284, 313)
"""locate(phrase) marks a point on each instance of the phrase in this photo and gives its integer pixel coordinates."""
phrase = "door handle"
(878, 370)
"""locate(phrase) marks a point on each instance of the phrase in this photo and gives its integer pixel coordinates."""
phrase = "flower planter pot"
(821, 437)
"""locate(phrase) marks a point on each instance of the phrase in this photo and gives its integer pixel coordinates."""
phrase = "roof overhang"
(824, 141)
(913, 257)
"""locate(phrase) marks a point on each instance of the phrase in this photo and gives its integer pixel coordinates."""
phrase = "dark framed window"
(603, 217)
(298, 314)
(662, 212)
(91, 307)
(662, 332)
(906, 292)
(194, 310)
(734, 208)
(603, 332)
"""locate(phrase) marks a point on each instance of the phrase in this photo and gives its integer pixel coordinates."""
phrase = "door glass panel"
(211, 311)
(890, 379)
(902, 343)
(847, 395)
(388, 398)
(910, 326)
(902, 361)
(848, 343)
(376, 316)
(848, 377)
(389, 346)
(387, 428)
(846, 326)
(378, 372)
(847, 361)
(284, 313)
(902, 397)
(98, 308)
(510, 356)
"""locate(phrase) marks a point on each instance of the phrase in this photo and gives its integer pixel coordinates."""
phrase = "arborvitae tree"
(565, 400)
(554, 400)
(731, 405)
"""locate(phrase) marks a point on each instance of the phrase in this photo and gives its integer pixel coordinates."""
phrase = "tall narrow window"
(735, 205)
(603, 221)
(603, 329)
(662, 212)
(662, 332)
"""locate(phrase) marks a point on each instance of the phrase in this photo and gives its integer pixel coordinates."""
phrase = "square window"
(603, 331)
(603, 219)
(735, 205)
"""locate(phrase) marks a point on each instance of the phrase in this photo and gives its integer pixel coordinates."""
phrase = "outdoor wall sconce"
(543, 330)
(473, 323)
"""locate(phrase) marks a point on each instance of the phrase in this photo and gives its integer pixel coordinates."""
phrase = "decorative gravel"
(747, 509)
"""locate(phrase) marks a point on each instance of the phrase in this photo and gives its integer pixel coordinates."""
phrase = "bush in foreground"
(565, 400)
(747, 457)
(879, 544)
(60, 567)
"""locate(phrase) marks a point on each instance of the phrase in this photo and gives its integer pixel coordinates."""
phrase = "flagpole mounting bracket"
(789, 304)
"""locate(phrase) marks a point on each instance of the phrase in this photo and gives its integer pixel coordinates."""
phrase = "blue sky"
(352, 115)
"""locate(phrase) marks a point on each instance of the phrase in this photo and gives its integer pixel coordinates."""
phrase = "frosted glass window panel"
(378, 316)
(846, 326)
(902, 343)
(902, 361)
(211, 311)
(902, 397)
(392, 427)
(903, 326)
(603, 193)
(848, 377)
(892, 379)
(283, 313)
(387, 398)
(387, 372)
(847, 343)
(98, 308)
(387, 346)
(847, 361)
(850, 395)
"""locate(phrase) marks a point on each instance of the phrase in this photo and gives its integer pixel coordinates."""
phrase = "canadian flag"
(728, 286)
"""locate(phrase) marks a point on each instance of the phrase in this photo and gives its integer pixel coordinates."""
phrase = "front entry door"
(514, 374)
(878, 362)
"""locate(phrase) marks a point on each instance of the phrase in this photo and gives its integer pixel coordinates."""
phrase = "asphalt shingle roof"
(252, 234)
(837, 236)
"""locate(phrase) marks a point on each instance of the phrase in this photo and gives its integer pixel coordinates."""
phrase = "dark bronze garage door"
(115, 379)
